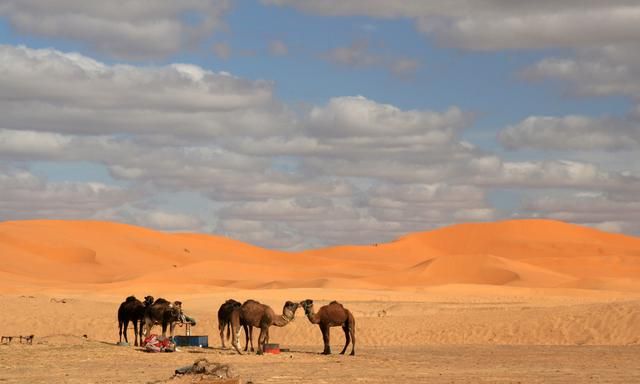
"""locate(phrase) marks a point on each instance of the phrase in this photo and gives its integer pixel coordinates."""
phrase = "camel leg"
(135, 333)
(221, 328)
(246, 337)
(119, 331)
(347, 337)
(140, 326)
(164, 329)
(326, 339)
(124, 330)
(352, 331)
(264, 335)
(172, 329)
(148, 324)
(248, 331)
(235, 341)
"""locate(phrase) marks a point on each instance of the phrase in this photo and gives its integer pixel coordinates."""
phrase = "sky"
(294, 124)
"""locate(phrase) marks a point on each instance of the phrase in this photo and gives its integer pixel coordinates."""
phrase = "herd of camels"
(233, 317)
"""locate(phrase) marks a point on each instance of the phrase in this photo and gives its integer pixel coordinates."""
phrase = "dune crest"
(105, 256)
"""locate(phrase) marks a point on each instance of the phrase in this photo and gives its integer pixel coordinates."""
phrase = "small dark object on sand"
(8, 339)
(205, 367)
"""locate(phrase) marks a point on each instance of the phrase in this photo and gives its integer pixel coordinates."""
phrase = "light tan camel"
(332, 315)
(255, 314)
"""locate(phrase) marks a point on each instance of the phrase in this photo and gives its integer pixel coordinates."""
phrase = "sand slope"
(113, 257)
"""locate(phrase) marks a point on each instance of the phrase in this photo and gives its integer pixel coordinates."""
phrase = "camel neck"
(313, 318)
(282, 321)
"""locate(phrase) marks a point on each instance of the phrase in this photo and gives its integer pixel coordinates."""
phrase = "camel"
(224, 318)
(165, 313)
(132, 310)
(332, 315)
(255, 314)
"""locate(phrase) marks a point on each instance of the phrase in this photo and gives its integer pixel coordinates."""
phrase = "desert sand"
(517, 301)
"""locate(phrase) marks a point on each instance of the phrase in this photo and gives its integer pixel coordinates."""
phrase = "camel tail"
(228, 331)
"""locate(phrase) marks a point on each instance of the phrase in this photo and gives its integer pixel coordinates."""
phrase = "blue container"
(192, 341)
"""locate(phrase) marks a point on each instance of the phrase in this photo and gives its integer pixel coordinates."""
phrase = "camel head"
(289, 309)
(308, 306)
(148, 300)
(174, 310)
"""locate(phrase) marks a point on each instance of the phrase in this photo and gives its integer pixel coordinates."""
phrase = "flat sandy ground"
(448, 334)
(96, 362)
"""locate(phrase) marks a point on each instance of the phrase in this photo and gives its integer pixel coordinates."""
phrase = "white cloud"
(572, 132)
(168, 220)
(25, 195)
(359, 117)
(133, 29)
(604, 71)
(47, 90)
(497, 24)
(351, 170)
(599, 210)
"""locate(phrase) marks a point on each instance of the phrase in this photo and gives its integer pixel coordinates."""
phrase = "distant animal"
(255, 314)
(132, 310)
(332, 315)
(165, 313)
(224, 318)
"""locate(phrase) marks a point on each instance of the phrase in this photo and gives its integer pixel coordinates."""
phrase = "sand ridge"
(90, 255)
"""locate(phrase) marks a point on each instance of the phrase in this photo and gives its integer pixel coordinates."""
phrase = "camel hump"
(130, 299)
(160, 300)
(335, 302)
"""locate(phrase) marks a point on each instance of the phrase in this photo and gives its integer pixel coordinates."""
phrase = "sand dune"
(498, 298)
(89, 255)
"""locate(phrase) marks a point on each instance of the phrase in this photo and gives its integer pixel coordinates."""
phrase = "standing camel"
(224, 318)
(165, 313)
(132, 310)
(332, 315)
(255, 314)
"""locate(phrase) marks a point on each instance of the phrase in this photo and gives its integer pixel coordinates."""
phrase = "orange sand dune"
(113, 257)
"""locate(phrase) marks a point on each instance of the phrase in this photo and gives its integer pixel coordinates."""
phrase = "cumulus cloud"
(27, 196)
(604, 71)
(136, 29)
(350, 170)
(49, 90)
(496, 24)
(572, 132)
(167, 220)
(600, 210)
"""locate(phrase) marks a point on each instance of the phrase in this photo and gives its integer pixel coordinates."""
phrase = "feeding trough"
(189, 340)
(274, 349)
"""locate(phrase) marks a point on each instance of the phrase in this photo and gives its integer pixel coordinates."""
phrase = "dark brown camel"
(224, 318)
(255, 314)
(165, 313)
(332, 315)
(132, 310)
